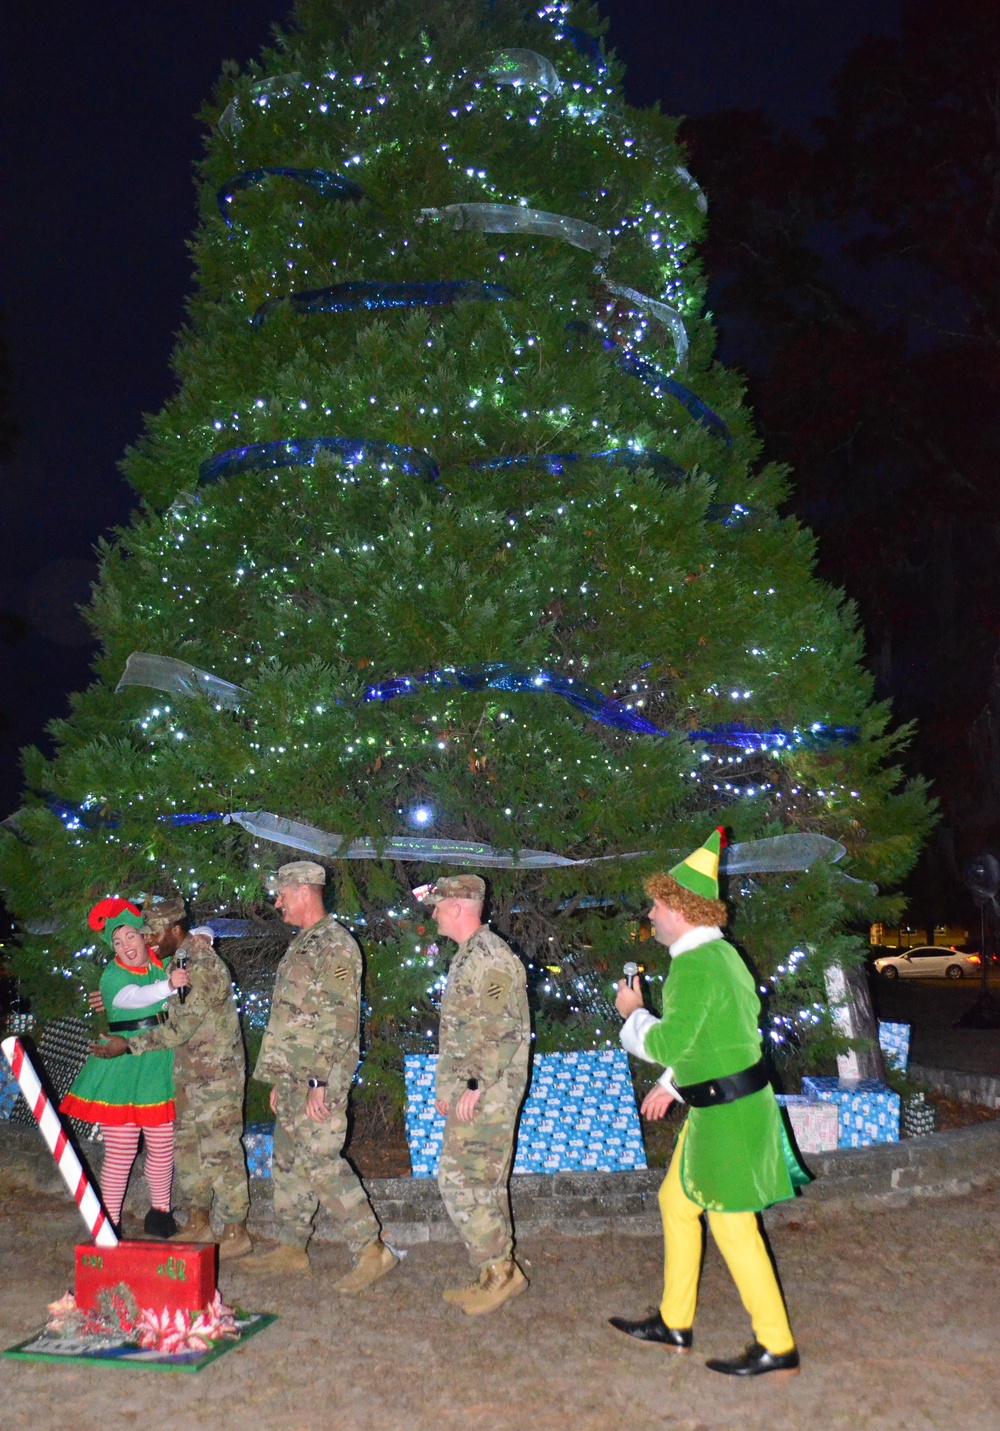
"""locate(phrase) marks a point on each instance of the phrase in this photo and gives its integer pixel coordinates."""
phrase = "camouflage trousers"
(208, 1153)
(308, 1171)
(473, 1177)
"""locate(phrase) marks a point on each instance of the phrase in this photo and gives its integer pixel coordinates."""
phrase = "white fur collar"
(703, 934)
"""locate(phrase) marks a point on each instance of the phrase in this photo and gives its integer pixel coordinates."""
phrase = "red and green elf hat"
(699, 872)
(110, 914)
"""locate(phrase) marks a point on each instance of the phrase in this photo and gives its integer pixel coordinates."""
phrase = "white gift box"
(816, 1124)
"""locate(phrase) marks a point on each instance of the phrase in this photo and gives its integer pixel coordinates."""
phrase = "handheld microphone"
(631, 972)
(180, 960)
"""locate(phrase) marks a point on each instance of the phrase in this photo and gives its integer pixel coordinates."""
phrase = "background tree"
(856, 283)
(481, 541)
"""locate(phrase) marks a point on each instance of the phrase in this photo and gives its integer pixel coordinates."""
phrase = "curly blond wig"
(695, 908)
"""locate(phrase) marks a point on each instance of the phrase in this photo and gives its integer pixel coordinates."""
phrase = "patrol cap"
(298, 872)
(465, 886)
(162, 913)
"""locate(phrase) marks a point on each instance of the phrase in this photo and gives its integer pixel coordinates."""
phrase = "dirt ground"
(895, 1313)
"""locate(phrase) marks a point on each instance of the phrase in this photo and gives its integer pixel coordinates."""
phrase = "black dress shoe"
(160, 1224)
(655, 1329)
(757, 1361)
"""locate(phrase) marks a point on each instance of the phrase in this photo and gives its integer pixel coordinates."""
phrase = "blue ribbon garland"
(555, 462)
(324, 181)
(660, 381)
(348, 297)
(302, 452)
(90, 817)
(648, 372)
(503, 676)
(582, 41)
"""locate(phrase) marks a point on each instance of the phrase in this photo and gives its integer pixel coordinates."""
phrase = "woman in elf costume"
(732, 1157)
(129, 1096)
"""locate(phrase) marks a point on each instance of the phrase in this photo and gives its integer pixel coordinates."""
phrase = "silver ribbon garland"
(666, 315)
(265, 826)
(276, 87)
(517, 67)
(688, 178)
(513, 219)
(179, 678)
(779, 853)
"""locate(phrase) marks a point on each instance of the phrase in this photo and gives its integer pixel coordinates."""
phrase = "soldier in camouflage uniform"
(482, 1074)
(209, 1079)
(309, 1053)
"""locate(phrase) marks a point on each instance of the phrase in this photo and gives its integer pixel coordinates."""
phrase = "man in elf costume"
(731, 1158)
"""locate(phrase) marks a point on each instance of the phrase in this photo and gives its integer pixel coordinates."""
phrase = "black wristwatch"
(316, 1082)
(472, 1084)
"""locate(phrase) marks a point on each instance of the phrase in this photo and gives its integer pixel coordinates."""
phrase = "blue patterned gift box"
(894, 1040)
(580, 1114)
(8, 1088)
(869, 1111)
(258, 1142)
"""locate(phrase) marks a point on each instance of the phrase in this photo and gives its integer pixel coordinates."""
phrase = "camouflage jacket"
(485, 1029)
(204, 1031)
(315, 1010)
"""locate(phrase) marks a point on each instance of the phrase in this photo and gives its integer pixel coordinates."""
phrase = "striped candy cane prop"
(52, 1130)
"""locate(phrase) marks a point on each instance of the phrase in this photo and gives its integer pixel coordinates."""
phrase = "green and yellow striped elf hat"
(699, 872)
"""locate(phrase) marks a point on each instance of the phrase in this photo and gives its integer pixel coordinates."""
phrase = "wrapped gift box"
(9, 1090)
(894, 1040)
(868, 1110)
(258, 1143)
(171, 1276)
(580, 1113)
(815, 1123)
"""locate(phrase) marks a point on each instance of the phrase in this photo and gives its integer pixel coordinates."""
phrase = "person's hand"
(272, 1098)
(96, 1002)
(628, 1000)
(443, 1106)
(465, 1108)
(656, 1102)
(316, 1108)
(112, 1047)
(179, 979)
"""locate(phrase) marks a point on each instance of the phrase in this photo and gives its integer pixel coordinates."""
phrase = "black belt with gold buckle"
(152, 1021)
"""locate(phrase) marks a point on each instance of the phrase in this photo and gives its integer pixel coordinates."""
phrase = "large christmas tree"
(455, 532)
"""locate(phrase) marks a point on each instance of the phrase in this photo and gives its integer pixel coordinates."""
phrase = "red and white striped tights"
(121, 1143)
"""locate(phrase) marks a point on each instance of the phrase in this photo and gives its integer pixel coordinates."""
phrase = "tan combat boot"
(234, 1242)
(498, 1282)
(457, 1295)
(198, 1228)
(279, 1261)
(374, 1261)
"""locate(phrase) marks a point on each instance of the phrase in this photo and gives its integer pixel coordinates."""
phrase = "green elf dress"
(134, 1089)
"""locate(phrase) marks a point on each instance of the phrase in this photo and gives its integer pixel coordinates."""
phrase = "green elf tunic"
(137, 1088)
(733, 1155)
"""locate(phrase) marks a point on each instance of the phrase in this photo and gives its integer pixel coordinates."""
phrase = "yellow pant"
(738, 1238)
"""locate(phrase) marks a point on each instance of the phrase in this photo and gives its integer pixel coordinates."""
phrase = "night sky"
(98, 204)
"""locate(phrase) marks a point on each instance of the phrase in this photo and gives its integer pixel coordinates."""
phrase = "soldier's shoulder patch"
(495, 988)
(341, 970)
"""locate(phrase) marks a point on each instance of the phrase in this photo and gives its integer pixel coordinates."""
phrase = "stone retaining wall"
(981, 1088)
(576, 1204)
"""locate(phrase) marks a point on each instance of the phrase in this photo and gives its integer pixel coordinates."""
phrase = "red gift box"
(176, 1276)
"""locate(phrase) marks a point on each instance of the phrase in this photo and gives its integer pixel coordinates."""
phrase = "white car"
(928, 962)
